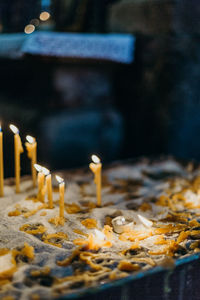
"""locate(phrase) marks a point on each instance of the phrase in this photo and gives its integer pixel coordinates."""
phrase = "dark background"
(148, 107)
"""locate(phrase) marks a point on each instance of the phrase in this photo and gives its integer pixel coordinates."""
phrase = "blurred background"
(119, 79)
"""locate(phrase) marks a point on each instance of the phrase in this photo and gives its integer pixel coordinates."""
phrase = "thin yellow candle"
(31, 147)
(61, 200)
(49, 187)
(96, 167)
(41, 187)
(18, 150)
(1, 164)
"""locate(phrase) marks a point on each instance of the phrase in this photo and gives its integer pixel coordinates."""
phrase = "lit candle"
(41, 187)
(61, 200)
(49, 187)
(18, 150)
(96, 167)
(1, 164)
(97, 240)
(31, 147)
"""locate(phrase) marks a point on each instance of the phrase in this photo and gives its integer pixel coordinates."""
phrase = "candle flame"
(30, 139)
(99, 235)
(0, 127)
(95, 159)
(14, 129)
(45, 171)
(145, 221)
(38, 167)
(59, 179)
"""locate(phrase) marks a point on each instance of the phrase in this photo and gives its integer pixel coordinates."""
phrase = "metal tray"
(180, 283)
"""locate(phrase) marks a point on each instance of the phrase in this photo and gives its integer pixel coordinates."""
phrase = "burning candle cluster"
(44, 179)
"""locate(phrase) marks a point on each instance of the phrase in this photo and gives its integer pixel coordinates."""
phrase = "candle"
(41, 187)
(31, 147)
(49, 187)
(96, 167)
(1, 164)
(147, 223)
(97, 240)
(61, 200)
(18, 150)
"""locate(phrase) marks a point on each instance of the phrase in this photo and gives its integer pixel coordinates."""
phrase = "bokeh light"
(29, 28)
(44, 16)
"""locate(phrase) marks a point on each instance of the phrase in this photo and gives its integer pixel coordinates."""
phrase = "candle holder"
(121, 224)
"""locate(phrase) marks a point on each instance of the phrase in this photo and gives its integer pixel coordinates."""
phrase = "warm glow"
(99, 235)
(45, 171)
(14, 129)
(95, 159)
(29, 28)
(38, 167)
(44, 16)
(30, 139)
(145, 221)
(59, 179)
(97, 240)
